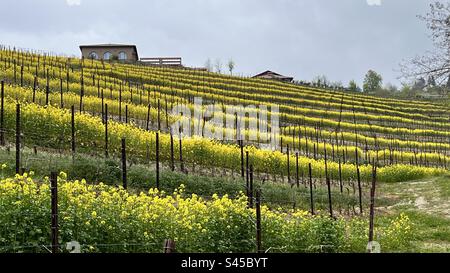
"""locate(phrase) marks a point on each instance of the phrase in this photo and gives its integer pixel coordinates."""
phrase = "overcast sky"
(302, 38)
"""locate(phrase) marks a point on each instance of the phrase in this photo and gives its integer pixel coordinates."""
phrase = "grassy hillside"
(330, 141)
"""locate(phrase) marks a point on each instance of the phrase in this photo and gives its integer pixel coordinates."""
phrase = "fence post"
(159, 115)
(372, 202)
(327, 179)
(169, 246)
(61, 90)
(172, 158)
(288, 163)
(258, 221)
(167, 116)
(340, 176)
(34, 88)
(67, 81)
(250, 189)
(81, 94)
(2, 113)
(72, 109)
(247, 175)
(297, 177)
(157, 160)
(241, 144)
(120, 103)
(15, 72)
(47, 89)
(54, 216)
(103, 107)
(106, 130)
(311, 188)
(281, 144)
(148, 118)
(181, 154)
(21, 76)
(358, 174)
(17, 138)
(124, 164)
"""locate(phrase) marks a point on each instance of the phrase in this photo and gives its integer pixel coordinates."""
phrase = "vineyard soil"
(427, 204)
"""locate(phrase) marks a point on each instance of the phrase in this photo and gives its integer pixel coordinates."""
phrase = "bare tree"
(433, 64)
(321, 81)
(231, 66)
(208, 65)
(218, 66)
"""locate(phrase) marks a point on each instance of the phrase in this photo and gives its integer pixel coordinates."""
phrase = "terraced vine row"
(398, 131)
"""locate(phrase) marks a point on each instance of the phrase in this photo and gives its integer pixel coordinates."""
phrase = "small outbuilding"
(270, 75)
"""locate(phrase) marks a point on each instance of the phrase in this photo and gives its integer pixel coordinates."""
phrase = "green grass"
(433, 232)
(431, 220)
(143, 177)
(444, 184)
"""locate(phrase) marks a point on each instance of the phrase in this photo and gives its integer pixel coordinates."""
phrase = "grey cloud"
(302, 38)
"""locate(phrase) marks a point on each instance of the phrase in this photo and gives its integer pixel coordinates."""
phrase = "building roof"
(108, 45)
(272, 75)
(111, 45)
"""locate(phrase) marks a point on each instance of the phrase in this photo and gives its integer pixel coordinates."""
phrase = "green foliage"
(353, 86)
(372, 81)
(143, 177)
(109, 219)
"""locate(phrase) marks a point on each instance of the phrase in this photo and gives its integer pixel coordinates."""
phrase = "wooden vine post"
(72, 123)
(157, 160)
(54, 214)
(181, 153)
(124, 164)
(250, 188)
(327, 179)
(169, 246)
(172, 156)
(241, 146)
(106, 130)
(258, 222)
(2, 115)
(18, 138)
(311, 198)
(372, 203)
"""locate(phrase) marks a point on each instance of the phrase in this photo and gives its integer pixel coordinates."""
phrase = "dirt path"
(427, 203)
(428, 196)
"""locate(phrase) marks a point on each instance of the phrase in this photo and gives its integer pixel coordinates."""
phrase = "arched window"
(93, 55)
(107, 55)
(123, 56)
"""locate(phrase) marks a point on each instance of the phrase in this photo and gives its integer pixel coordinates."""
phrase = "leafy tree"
(353, 86)
(372, 81)
(231, 66)
(391, 88)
